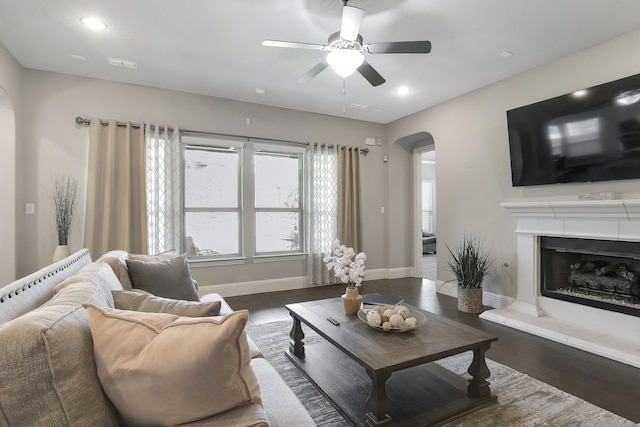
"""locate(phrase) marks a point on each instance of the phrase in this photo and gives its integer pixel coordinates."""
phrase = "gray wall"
(53, 143)
(10, 95)
(473, 167)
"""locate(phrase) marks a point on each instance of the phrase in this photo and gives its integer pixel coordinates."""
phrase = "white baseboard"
(447, 288)
(496, 300)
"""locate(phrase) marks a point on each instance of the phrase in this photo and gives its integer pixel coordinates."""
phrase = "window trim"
(213, 142)
(301, 154)
(246, 210)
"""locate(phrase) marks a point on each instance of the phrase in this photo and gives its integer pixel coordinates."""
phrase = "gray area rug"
(522, 401)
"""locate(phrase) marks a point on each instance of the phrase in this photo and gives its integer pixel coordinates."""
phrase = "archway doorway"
(428, 210)
(411, 147)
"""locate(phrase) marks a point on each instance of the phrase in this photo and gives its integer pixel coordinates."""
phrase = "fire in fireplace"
(597, 273)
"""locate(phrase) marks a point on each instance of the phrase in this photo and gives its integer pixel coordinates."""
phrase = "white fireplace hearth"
(603, 332)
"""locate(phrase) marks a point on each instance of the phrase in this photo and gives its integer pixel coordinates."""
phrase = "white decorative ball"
(395, 320)
(379, 309)
(386, 326)
(388, 313)
(404, 312)
(374, 319)
(397, 308)
(410, 322)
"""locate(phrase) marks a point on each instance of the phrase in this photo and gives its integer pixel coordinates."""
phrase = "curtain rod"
(86, 122)
(364, 151)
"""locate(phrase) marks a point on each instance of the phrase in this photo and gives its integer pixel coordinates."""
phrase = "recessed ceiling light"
(580, 93)
(93, 23)
(403, 91)
(505, 54)
(260, 91)
(78, 57)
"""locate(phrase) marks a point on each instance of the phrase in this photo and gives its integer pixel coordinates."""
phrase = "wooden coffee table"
(353, 361)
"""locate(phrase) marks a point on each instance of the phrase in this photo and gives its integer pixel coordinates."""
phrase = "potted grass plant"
(64, 190)
(469, 262)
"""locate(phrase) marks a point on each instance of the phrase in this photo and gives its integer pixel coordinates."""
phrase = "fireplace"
(578, 264)
(596, 273)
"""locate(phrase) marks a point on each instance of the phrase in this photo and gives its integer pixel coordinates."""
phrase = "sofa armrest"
(224, 307)
(283, 408)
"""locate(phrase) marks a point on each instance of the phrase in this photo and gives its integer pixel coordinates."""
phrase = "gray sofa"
(428, 243)
(48, 373)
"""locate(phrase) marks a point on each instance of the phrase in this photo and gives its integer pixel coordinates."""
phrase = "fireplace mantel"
(628, 209)
(606, 333)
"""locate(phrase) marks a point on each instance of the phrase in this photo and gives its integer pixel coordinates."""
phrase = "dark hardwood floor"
(600, 381)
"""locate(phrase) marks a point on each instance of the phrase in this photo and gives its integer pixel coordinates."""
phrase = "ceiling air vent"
(117, 62)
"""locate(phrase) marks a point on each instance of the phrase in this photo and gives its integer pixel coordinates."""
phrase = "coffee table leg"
(296, 346)
(479, 371)
(377, 401)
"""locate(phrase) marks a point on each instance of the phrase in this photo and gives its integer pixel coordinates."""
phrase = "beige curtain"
(349, 203)
(115, 214)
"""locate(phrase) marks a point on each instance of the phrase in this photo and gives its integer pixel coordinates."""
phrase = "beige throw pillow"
(142, 301)
(167, 277)
(161, 369)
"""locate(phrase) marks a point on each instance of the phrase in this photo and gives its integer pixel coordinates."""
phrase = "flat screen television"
(586, 136)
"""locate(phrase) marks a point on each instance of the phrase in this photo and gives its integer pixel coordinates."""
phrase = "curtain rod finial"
(81, 121)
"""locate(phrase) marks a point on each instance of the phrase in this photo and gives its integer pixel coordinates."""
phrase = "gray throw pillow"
(138, 301)
(163, 277)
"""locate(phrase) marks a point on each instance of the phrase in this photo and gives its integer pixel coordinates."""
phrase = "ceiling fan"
(346, 49)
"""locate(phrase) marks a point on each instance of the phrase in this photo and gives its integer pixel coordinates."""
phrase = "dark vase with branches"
(64, 190)
(470, 263)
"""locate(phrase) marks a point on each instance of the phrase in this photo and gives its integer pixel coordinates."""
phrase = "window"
(427, 205)
(278, 190)
(212, 197)
(242, 198)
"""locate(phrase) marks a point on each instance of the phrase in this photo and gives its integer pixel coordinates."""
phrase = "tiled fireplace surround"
(609, 334)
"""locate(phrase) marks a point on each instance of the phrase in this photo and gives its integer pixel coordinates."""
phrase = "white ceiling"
(213, 47)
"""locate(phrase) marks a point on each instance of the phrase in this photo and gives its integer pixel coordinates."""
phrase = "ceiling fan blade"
(369, 73)
(399, 47)
(296, 45)
(319, 67)
(351, 21)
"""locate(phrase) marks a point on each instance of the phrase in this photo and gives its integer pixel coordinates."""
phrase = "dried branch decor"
(64, 190)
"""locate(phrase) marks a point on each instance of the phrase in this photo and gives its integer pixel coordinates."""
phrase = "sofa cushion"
(141, 301)
(226, 309)
(117, 260)
(169, 278)
(48, 373)
(244, 416)
(278, 400)
(98, 273)
(201, 366)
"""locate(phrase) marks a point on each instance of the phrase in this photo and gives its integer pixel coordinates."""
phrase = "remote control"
(334, 321)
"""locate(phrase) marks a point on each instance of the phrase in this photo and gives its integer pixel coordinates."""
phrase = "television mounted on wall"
(585, 136)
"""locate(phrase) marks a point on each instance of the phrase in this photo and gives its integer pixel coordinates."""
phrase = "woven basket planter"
(470, 299)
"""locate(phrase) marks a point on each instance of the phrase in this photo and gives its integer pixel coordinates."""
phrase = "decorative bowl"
(420, 320)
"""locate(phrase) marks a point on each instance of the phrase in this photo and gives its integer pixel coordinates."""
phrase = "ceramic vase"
(469, 299)
(61, 252)
(351, 300)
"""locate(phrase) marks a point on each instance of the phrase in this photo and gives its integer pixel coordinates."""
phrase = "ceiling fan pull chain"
(344, 93)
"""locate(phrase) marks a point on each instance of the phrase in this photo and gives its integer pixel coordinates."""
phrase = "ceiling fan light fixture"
(345, 62)
(93, 23)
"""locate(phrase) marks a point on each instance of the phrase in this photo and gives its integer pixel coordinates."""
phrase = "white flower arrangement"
(347, 268)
